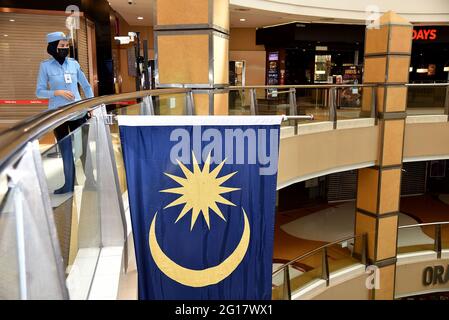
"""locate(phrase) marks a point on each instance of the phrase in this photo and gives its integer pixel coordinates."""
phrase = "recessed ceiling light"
(5, 35)
(139, 18)
(243, 19)
(422, 70)
(12, 20)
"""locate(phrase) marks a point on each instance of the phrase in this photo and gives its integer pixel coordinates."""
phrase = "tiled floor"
(299, 231)
(302, 230)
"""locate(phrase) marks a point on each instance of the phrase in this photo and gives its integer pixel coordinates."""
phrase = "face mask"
(63, 52)
(58, 53)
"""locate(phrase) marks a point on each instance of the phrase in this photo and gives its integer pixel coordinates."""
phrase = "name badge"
(68, 78)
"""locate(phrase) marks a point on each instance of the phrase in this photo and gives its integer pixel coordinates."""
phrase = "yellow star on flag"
(200, 190)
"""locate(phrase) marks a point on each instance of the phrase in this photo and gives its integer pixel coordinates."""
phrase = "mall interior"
(362, 200)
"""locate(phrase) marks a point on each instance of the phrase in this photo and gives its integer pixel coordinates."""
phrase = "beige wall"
(316, 153)
(409, 277)
(242, 44)
(244, 39)
(426, 140)
(255, 65)
(352, 289)
(128, 83)
(409, 282)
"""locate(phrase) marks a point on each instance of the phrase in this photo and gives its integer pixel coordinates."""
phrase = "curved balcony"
(347, 11)
(341, 268)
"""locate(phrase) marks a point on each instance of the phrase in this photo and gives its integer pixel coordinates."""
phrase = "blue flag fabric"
(202, 201)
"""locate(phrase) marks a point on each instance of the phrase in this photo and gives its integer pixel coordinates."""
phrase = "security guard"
(61, 74)
(58, 81)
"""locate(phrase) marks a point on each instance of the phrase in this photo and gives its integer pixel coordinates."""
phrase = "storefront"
(430, 54)
(300, 53)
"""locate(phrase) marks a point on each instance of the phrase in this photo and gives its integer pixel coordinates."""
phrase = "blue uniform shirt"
(52, 77)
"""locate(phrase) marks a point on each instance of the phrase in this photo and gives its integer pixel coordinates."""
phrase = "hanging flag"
(202, 201)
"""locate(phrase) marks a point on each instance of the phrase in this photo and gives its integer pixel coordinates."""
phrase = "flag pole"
(306, 117)
(113, 118)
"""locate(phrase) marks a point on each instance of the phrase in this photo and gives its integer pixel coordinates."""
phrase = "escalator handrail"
(13, 140)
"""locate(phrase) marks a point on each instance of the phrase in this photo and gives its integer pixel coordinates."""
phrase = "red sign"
(130, 102)
(45, 102)
(38, 102)
(424, 34)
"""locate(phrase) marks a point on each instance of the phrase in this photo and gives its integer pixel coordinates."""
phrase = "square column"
(192, 50)
(387, 58)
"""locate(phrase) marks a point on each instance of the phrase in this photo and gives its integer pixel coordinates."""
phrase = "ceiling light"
(422, 70)
(12, 20)
(286, 23)
(123, 40)
(139, 18)
(5, 35)
(242, 19)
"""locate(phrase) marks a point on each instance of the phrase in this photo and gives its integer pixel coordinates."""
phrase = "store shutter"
(25, 46)
(413, 178)
(342, 186)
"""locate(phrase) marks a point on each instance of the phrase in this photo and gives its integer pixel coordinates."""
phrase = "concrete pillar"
(192, 50)
(387, 58)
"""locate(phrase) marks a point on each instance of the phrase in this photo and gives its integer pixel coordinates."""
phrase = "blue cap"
(56, 36)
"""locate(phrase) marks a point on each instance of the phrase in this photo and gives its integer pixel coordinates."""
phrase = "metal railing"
(328, 95)
(331, 95)
(325, 270)
(15, 139)
(438, 236)
(440, 93)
